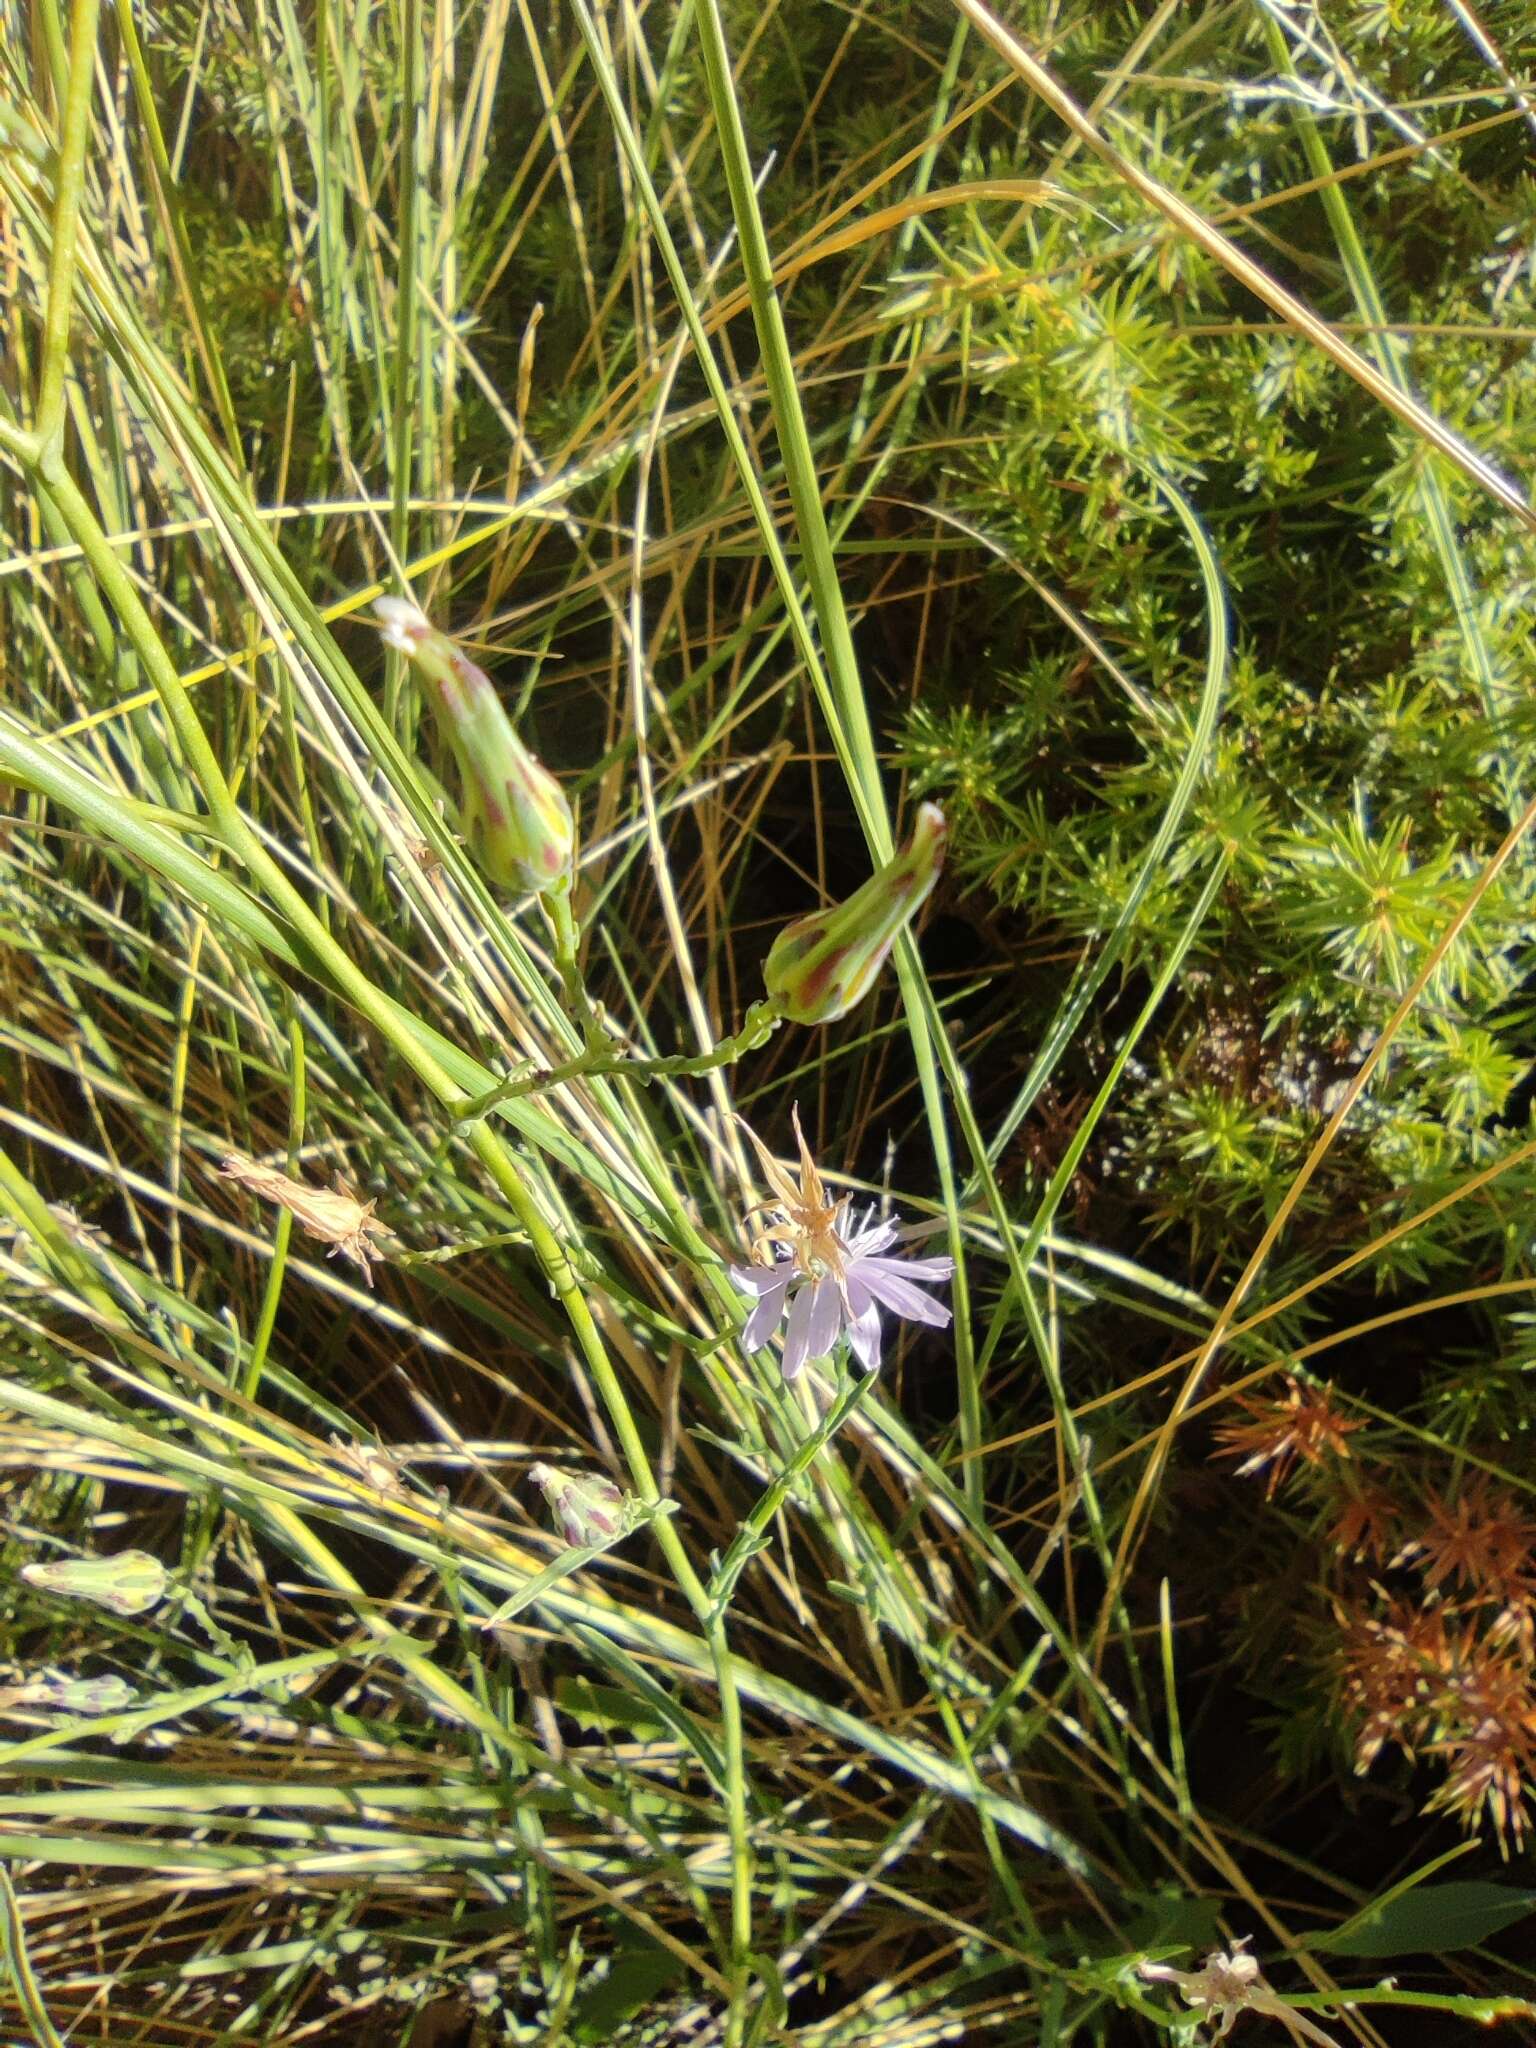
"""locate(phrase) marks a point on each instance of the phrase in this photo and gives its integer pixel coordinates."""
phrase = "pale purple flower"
(826, 1303)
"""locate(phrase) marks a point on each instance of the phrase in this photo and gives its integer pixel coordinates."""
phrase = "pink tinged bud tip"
(402, 623)
(819, 967)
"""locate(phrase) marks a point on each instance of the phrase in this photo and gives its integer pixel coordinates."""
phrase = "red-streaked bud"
(820, 966)
(513, 811)
(590, 1509)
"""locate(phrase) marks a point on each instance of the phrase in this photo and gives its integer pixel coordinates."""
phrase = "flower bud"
(130, 1583)
(819, 967)
(514, 812)
(106, 1695)
(589, 1508)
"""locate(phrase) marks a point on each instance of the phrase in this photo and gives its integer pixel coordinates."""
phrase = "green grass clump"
(424, 1620)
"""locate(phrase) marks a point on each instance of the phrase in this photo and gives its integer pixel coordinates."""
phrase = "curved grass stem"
(761, 1022)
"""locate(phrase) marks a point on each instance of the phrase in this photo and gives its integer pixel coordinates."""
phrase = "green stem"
(566, 937)
(761, 1022)
(408, 317)
(68, 186)
(752, 1534)
(266, 1321)
(795, 449)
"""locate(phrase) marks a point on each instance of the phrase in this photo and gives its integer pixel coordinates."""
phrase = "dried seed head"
(335, 1215)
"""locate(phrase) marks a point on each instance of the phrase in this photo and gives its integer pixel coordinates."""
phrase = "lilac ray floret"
(823, 1307)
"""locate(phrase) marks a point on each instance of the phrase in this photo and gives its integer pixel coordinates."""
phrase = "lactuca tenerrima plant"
(718, 376)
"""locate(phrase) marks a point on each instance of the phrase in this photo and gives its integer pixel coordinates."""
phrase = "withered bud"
(334, 1215)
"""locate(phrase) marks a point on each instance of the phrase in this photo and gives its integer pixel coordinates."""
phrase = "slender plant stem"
(762, 1021)
(282, 1233)
(68, 188)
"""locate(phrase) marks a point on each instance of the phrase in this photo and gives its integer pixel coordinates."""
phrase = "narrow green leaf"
(1430, 1919)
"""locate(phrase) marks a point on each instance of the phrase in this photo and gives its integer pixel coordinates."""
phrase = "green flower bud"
(819, 967)
(514, 813)
(130, 1583)
(107, 1695)
(590, 1509)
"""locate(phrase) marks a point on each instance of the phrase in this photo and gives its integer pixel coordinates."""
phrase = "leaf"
(1429, 1919)
(13, 1944)
(606, 1707)
(773, 2007)
(635, 1977)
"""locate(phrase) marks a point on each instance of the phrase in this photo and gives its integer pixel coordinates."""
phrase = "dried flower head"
(1227, 1983)
(1304, 1427)
(804, 1223)
(373, 1464)
(335, 1215)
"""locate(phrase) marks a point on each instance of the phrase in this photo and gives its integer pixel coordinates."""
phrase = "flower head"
(819, 966)
(403, 624)
(130, 1583)
(515, 814)
(830, 1273)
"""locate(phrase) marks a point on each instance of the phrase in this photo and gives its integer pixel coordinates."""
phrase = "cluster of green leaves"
(1377, 738)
